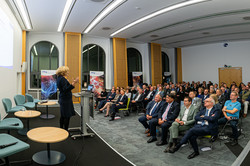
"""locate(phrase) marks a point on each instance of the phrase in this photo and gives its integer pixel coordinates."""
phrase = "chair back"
(7, 104)
(19, 99)
(128, 103)
(29, 97)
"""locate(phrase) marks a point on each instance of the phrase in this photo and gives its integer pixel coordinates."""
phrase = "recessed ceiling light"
(154, 36)
(108, 9)
(159, 12)
(137, 8)
(246, 18)
(24, 13)
(106, 28)
(97, 0)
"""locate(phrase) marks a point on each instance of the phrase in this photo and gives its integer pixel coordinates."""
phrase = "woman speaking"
(65, 96)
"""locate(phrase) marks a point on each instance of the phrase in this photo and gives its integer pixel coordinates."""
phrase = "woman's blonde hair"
(62, 70)
(214, 96)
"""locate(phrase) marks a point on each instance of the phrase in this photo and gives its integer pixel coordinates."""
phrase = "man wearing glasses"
(231, 112)
(206, 124)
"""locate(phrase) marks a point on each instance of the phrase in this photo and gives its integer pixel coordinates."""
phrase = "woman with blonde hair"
(65, 97)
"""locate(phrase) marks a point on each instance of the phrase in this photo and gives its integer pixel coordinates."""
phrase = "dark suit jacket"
(151, 95)
(141, 98)
(110, 96)
(158, 108)
(124, 100)
(172, 113)
(202, 98)
(222, 100)
(65, 97)
(212, 118)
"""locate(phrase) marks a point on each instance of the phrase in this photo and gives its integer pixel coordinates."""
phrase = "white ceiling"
(221, 20)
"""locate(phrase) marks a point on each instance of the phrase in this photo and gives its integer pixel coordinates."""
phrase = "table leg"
(48, 157)
(28, 125)
(47, 115)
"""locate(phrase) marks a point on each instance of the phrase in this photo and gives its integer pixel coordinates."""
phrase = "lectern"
(87, 108)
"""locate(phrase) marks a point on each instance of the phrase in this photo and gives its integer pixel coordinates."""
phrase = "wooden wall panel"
(179, 65)
(73, 59)
(156, 63)
(120, 62)
(23, 60)
(228, 75)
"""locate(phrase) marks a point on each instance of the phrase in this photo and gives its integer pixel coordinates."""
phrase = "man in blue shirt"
(231, 111)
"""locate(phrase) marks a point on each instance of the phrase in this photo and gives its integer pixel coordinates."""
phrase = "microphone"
(6, 145)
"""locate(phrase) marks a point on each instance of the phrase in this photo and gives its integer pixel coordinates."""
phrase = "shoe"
(100, 112)
(106, 115)
(147, 131)
(176, 148)
(213, 138)
(112, 118)
(194, 154)
(244, 115)
(170, 145)
(161, 143)
(234, 142)
(152, 139)
(148, 135)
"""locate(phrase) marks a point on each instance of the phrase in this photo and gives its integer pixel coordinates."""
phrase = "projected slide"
(6, 41)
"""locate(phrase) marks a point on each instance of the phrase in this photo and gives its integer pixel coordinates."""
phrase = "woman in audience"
(109, 104)
(128, 93)
(200, 92)
(65, 97)
(180, 95)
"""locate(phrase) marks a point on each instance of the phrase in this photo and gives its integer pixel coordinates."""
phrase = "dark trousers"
(102, 103)
(233, 124)
(115, 108)
(64, 123)
(192, 135)
(164, 127)
(143, 120)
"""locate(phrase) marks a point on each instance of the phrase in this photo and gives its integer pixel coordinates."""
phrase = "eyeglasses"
(206, 101)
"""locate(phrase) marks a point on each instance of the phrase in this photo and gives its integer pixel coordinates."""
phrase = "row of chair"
(22, 103)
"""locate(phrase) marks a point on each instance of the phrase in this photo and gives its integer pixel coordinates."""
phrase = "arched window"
(134, 63)
(165, 62)
(93, 60)
(44, 55)
(165, 67)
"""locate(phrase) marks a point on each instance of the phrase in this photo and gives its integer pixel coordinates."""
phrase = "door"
(228, 75)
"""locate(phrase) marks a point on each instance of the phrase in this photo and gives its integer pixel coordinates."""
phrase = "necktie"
(164, 116)
(153, 109)
(206, 114)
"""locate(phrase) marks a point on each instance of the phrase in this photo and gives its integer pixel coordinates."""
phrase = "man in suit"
(145, 90)
(166, 116)
(195, 100)
(231, 112)
(221, 97)
(149, 97)
(152, 112)
(204, 96)
(183, 122)
(207, 124)
(138, 99)
(120, 103)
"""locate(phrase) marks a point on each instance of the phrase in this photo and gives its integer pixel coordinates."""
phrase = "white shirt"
(184, 118)
(148, 96)
(137, 98)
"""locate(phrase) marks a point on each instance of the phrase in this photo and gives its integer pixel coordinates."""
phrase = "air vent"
(106, 28)
(154, 36)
